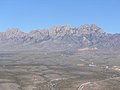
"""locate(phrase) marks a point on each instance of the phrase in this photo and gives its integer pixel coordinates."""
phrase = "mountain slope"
(59, 38)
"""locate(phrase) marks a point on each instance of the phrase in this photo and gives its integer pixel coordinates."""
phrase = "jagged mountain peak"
(89, 25)
(91, 28)
(65, 27)
(13, 30)
(61, 37)
(83, 29)
(11, 33)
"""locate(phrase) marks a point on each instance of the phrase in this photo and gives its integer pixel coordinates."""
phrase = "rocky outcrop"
(60, 37)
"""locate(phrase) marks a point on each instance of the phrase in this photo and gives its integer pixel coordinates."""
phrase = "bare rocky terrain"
(59, 38)
(61, 58)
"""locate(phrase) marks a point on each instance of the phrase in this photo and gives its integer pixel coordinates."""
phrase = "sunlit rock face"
(60, 37)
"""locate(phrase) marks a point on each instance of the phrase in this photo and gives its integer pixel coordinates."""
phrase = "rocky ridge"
(60, 38)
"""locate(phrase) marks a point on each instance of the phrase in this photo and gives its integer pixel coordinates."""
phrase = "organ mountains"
(60, 38)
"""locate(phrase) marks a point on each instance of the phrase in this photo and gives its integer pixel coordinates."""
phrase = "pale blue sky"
(37, 14)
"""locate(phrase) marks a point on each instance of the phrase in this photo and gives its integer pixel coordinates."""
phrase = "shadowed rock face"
(60, 38)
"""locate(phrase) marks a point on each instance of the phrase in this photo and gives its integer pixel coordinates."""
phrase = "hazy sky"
(37, 14)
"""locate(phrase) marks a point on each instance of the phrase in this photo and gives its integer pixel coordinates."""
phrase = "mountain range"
(58, 38)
